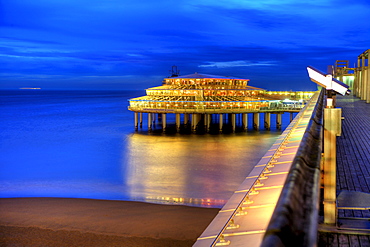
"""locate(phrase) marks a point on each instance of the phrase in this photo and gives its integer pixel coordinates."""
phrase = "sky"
(126, 44)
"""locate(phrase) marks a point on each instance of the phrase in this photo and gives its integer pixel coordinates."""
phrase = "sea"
(83, 144)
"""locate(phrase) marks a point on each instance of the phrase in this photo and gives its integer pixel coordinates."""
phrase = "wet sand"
(87, 222)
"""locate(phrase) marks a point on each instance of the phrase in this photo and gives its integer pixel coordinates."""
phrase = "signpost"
(332, 129)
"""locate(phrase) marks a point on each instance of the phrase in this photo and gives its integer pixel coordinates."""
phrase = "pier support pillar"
(332, 129)
(278, 120)
(186, 119)
(207, 122)
(208, 125)
(291, 116)
(163, 122)
(141, 119)
(267, 120)
(221, 121)
(194, 121)
(150, 121)
(178, 117)
(153, 118)
(233, 122)
(245, 121)
(205, 117)
(256, 121)
(136, 120)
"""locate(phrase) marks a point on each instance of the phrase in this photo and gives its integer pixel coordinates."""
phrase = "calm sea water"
(82, 144)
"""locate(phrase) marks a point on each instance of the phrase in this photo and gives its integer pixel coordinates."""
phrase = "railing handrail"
(253, 226)
(257, 179)
(283, 229)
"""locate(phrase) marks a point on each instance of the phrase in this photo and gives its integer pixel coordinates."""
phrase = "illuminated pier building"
(200, 100)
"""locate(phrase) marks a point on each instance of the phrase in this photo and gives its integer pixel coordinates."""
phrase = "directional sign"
(327, 81)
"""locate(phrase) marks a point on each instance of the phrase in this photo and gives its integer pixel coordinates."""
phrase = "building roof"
(197, 76)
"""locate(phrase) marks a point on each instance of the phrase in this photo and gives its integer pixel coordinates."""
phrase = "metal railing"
(252, 190)
(211, 107)
(300, 143)
(294, 221)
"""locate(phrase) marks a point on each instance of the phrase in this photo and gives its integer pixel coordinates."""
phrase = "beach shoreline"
(92, 222)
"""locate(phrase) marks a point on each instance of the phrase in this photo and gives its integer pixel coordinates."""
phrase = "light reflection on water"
(83, 145)
(195, 169)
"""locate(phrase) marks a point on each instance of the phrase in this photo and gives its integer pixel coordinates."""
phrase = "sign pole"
(332, 129)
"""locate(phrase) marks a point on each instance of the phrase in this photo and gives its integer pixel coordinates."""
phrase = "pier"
(323, 195)
(246, 215)
(202, 102)
(312, 187)
(279, 202)
(353, 174)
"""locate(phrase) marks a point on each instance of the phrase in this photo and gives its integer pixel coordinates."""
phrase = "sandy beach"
(87, 222)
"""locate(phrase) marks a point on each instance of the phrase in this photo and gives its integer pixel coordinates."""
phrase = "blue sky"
(124, 44)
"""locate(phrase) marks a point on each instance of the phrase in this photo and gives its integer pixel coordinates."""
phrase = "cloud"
(240, 63)
(89, 39)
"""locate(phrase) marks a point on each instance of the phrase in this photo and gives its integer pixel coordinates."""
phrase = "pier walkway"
(353, 172)
(246, 215)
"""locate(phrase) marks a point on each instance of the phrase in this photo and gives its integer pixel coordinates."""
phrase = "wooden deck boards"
(353, 165)
(343, 240)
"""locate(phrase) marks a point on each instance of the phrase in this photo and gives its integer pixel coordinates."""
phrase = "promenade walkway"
(353, 168)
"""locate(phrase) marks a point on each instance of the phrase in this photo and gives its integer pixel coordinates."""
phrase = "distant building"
(357, 78)
(200, 95)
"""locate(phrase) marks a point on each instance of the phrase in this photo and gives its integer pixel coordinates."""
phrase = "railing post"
(332, 129)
